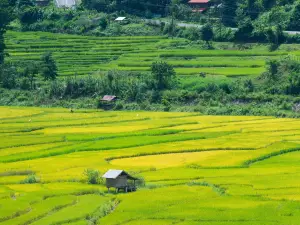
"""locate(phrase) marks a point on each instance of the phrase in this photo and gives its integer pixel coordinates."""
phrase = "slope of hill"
(84, 55)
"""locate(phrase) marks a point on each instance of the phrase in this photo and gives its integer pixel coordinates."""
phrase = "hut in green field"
(108, 98)
(107, 101)
(120, 180)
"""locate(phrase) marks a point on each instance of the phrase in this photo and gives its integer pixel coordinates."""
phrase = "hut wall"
(120, 181)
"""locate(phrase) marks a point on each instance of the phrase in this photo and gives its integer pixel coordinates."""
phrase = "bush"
(29, 15)
(93, 176)
(31, 179)
(103, 23)
(49, 68)
(164, 75)
(140, 182)
(8, 76)
(192, 33)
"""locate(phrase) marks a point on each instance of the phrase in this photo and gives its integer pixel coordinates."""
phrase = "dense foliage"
(6, 16)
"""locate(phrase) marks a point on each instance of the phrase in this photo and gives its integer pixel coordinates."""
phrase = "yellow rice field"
(197, 169)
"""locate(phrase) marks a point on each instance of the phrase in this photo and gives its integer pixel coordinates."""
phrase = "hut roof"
(113, 174)
(109, 98)
(199, 1)
(120, 18)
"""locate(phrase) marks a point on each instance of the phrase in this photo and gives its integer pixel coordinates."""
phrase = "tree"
(163, 74)
(270, 26)
(93, 176)
(27, 12)
(8, 76)
(275, 36)
(245, 29)
(294, 83)
(49, 69)
(272, 73)
(277, 16)
(29, 15)
(295, 18)
(103, 23)
(251, 9)
(24, 3)
(228, 10)
(192, 33)
(267, 4)
(174, 8)
(207, 33)
(6, 16)
(84, 22)
(30, 72)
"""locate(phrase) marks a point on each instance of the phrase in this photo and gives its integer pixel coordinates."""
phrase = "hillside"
(229, 79)
(197, 169)
(86, 55)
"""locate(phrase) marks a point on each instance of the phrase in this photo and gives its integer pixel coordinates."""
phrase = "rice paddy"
(197, 169)
(81, 55)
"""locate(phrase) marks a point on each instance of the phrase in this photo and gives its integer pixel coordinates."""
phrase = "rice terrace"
(86, 55)
(149, 112)
(196, 169)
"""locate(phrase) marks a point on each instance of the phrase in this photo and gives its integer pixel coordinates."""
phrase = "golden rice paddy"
(197, 169)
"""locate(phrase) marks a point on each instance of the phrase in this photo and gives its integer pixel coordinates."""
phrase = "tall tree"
(49, 70)
(267, 4)
(228, 10)
(31, 71)
(245, 26)
(163, 74)
(28, 12)
(295, 17)
(252, 9)
(207, 33)
(8, 76)
(6, 16)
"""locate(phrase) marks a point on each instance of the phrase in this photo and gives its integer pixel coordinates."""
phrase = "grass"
(96, 55)
(198, 169)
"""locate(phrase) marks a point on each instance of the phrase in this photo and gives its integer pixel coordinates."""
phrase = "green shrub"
(192, 33)
(164, 75)
(31, 179)
(8, 76)
(119, 105)
(103, 23)
(140, 182)
(93, 176)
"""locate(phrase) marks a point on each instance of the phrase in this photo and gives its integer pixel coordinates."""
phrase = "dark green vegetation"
(6, 16)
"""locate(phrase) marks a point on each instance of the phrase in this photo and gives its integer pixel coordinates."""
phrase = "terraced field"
(83, 55)
(197, 169)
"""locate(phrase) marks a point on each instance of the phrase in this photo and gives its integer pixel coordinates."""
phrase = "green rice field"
(83, 55)
(197, 169)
